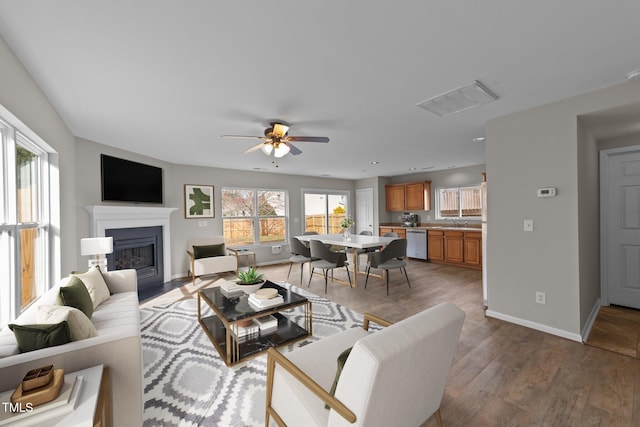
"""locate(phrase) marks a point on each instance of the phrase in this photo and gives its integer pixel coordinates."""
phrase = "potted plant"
(250, 280)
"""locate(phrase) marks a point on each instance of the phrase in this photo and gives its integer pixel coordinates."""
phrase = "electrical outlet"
(276, 249)
(528, 225)
(541, 298)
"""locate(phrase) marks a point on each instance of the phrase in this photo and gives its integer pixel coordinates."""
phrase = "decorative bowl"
(249, 289)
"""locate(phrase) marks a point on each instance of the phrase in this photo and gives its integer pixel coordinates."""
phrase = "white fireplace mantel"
(109, 217)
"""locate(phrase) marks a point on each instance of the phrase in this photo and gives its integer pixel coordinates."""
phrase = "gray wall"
(20, 95)
(175, 177)
(545, 147)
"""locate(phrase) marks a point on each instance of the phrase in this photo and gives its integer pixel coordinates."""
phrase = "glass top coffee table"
(232, 340)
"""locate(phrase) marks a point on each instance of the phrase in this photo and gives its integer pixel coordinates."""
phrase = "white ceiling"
(166, 78)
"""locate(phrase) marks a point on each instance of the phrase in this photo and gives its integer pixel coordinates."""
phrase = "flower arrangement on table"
(347, 222)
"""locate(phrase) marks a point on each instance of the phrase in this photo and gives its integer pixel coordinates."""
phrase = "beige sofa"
(117, 346)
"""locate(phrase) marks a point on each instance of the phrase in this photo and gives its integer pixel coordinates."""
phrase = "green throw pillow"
(342, 359)
(35, 337)
(75, 294)
(208, 251)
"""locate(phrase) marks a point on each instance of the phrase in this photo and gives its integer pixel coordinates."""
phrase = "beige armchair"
(210, 256)
(395, 376)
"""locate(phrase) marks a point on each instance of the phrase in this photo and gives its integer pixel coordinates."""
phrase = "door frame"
(605, 155)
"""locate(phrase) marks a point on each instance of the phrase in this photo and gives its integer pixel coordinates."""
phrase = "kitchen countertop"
(471, 227)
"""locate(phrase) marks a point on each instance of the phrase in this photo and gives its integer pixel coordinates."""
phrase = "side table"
(93, 407)
(250, 255)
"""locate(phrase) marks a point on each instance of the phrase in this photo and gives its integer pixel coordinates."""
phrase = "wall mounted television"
(129, 181)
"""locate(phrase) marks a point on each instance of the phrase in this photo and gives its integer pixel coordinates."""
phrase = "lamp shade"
(281, 150)
(96, 246)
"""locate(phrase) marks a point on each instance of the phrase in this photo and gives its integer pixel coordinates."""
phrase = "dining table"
(353, 242)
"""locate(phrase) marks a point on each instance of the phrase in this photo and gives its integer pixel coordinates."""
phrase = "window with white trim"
(254, 216)
(324, 210)
(24, 221)
(460, 202)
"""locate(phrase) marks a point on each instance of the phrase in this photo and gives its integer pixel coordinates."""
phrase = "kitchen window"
(460, 202)
(24, 221)
(253, 216)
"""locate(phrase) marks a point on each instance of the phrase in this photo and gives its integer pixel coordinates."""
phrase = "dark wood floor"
(503, 374)
(617, 329)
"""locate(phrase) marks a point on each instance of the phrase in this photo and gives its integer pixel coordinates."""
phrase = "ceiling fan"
(277, 141)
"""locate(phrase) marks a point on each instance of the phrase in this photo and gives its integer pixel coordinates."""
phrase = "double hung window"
(24, 221)
(254, 216)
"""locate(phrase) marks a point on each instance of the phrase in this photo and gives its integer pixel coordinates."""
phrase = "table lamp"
(97, 246)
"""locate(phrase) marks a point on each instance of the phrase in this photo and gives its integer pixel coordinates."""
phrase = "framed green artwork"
(198, 201)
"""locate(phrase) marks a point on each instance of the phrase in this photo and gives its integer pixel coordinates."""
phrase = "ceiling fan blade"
(308, 138)
(254, 148)
(294, 150)
(243, 136)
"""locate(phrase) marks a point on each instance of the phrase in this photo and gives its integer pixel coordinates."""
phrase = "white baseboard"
(537, 326)
(590, 320)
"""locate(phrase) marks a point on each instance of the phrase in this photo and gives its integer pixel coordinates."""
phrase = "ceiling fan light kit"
(277, 141)
(281, 150)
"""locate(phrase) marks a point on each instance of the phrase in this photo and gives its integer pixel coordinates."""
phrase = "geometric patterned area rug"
(187, 384)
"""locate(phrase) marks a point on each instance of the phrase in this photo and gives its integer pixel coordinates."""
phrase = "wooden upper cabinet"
(414, 196)
(394, 195)
(417, 196)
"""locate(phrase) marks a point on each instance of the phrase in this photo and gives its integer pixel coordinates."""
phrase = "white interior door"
(620, 226)
(364, 210)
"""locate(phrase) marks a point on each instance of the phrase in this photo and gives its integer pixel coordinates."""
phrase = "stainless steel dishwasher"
(417, 243)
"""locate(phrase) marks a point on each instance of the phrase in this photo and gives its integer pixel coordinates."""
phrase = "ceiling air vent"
(460, 99)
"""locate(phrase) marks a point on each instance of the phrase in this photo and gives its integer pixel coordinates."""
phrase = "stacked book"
(265, 298)
(268, 324)
(230, 289)
(246, 332)
(261, 326)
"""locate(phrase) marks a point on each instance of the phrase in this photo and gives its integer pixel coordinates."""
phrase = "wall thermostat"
(547, 192)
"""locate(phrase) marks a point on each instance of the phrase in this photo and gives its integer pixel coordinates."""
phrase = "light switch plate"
(528, 225)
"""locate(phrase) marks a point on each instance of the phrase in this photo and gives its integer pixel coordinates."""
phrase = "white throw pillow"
(79, 324)
(97, 287)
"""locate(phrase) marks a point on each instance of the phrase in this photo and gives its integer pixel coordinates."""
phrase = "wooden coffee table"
(222, 327)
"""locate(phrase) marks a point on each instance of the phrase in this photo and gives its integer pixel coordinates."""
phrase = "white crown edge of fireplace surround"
(109, 217)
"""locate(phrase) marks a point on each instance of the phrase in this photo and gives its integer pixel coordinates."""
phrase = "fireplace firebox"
(139, 248)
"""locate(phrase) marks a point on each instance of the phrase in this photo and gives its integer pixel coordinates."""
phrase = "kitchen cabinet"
(435, 245)
(414, 196)
(455, 247)
(394, 197)
(417, 196)
(402, 232)
(473, 248)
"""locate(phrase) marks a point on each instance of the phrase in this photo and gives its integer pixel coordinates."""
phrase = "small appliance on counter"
(409, 219)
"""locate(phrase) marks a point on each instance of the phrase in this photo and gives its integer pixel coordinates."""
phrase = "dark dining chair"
(300, 254)
(391, 257)
(325, 259)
